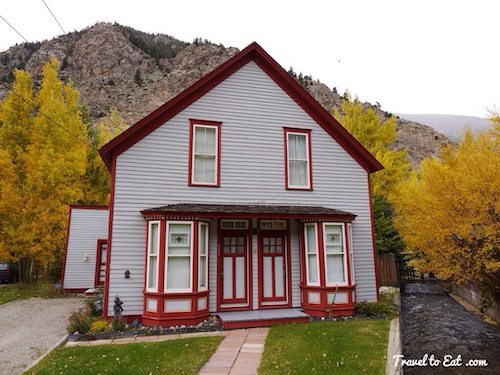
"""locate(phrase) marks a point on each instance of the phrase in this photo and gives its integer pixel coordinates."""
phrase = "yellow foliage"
(42, 164)
(378, 137)
(96, 179)
(99, 326)
(449, 213)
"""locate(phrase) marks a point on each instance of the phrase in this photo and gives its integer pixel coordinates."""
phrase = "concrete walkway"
(238, 354)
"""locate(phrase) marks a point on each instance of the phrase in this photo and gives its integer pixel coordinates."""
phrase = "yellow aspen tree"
(449, 212)
(378, 137)
(15, 130)
(55, 162)
(96, 179)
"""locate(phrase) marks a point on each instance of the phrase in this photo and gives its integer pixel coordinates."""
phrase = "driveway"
(434, 323)
(28, 328)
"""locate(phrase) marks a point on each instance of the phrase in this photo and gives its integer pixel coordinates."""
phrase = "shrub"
(79, 321)
(375, 309)
(99, 326)
(118, 324)
(385, 308)
(92, 304)
(53, 291)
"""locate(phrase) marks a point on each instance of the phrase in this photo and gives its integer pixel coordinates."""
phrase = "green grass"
(176, 357)
(340, 347)
(12, 292)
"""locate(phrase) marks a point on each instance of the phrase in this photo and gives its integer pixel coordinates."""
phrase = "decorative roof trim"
(256, 53)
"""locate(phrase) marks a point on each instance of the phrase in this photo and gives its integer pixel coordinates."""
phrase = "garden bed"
(211, 325)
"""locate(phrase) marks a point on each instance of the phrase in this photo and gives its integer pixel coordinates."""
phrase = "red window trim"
(98, 263)
(207, 123)
(307, 132)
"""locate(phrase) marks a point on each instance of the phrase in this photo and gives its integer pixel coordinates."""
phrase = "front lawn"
(12, 292)
(179, 356)
(341, 347)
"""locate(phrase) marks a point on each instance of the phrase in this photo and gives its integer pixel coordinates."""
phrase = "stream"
(433, 323)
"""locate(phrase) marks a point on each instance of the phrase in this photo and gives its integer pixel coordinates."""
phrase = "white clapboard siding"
(85, 228)
(253, 111)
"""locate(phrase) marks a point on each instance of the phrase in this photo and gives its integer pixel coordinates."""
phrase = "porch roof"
(247, 210)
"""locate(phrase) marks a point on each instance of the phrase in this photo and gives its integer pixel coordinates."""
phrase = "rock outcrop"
(114, 65)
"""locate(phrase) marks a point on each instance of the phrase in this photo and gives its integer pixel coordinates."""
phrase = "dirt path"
(29, 328)
(434, 323)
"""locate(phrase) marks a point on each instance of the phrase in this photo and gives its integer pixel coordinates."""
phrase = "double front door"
(270, 267)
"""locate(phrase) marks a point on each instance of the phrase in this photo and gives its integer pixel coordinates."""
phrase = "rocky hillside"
(114, 65)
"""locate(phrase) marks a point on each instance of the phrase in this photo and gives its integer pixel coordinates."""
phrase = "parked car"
(8, 273)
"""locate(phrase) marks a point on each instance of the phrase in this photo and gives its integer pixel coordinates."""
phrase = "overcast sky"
(418, 56)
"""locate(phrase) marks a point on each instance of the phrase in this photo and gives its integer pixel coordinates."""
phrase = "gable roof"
(255, 53)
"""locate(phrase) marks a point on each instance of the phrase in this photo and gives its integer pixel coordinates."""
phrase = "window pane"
(297, 146)
(152, 276)
(335, 268)
(203, 271)
(178, 273)
(202, 240)
(180, 234)
(153, 239)
(334, 239)
(313, 268)
(204, 168)
(298, 173)
(311, 238)
(204, 140)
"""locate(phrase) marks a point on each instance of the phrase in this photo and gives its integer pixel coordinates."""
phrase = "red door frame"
(99, 262)
(221, 233)
(285, 234)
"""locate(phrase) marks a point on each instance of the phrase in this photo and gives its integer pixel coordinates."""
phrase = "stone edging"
(143, 339)
(394, 346)
(59, 343)
(472, 309)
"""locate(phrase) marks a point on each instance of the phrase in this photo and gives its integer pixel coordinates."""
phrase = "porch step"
(261, 318)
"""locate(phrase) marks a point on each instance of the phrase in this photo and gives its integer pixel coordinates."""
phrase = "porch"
(261, 318)
(251, 265)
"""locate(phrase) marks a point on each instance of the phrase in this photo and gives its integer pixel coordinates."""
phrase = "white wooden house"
(84, 264)
(240, 197)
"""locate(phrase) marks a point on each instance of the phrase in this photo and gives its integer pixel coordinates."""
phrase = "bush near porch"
(336, 347)
(179, 357)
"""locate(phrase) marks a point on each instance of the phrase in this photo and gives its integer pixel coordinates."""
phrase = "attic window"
(298, 170)
(204, 166)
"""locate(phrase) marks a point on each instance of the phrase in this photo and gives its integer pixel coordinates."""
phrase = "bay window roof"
(242, 210)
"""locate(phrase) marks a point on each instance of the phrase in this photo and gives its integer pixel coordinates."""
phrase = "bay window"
(311, 249)
(178, 262)
(334, 246)
(298, 159)
(203, 256)
(152, 257)
(204, 153)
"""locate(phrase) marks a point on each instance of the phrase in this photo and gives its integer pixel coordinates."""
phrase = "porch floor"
(260, 318)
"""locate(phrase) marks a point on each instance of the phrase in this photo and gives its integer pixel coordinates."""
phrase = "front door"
(234, 269)
(273, 268)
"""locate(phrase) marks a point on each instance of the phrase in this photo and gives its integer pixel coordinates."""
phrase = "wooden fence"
(387, 270)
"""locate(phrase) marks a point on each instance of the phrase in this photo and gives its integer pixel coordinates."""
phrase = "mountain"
(450, 125)
(115, 65)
